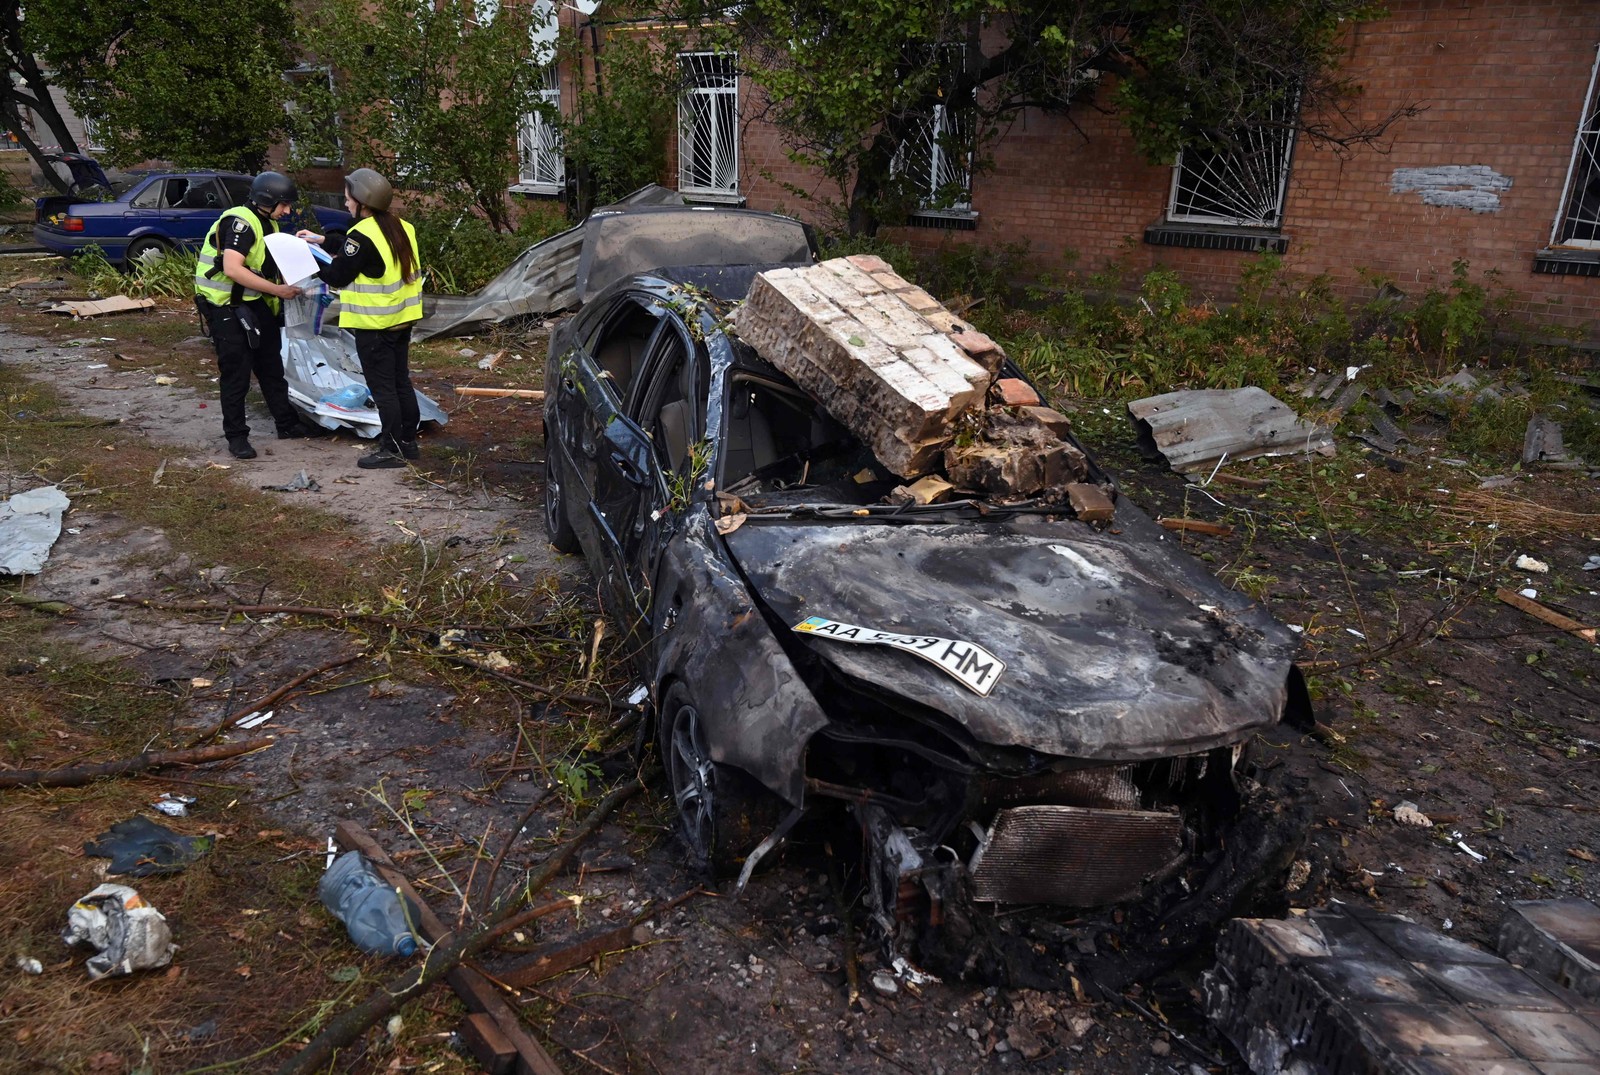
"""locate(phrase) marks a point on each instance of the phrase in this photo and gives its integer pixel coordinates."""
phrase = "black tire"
(723, 813)
(556, 521)
(143, 244)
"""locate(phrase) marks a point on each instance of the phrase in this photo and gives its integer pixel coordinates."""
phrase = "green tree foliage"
(191, 82)
(428, 93)
(849, 81)
(617, 134)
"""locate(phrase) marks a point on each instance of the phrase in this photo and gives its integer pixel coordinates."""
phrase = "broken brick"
(1014, 392)
(1090, 503)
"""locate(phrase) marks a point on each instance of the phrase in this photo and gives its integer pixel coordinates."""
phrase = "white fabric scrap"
(127, 932)
(30, 523)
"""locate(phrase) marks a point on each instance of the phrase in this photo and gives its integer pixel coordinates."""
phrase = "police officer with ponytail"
(239, 293)
(380, 282)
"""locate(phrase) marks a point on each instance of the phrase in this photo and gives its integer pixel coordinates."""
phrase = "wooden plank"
(1547, 615)
(554, 959)
(1197, 526)
(482, 1037)
(475, 991)
(501, 393)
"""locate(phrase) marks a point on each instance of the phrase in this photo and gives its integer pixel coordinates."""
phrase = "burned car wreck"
(950, 627)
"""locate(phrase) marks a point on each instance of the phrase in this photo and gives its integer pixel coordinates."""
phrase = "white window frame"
(926, 150)
(1583, 169)
(542, 165)
(710, 82)
(1249, 188)
(290, 105)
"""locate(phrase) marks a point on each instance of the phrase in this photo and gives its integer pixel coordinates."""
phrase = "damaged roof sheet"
(1197, 429)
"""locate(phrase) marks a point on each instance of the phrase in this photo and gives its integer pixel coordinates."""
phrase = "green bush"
(170, 276)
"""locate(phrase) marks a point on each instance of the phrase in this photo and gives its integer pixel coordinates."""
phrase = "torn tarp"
(320, 364)
(30, 522)
(543, 280)
(1197, 429)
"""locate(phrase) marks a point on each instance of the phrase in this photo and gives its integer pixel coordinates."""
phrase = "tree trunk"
(35, 95)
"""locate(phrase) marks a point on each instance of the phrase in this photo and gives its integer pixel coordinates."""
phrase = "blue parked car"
(160, 212)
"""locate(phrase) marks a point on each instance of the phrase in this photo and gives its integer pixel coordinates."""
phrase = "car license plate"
(967, 662)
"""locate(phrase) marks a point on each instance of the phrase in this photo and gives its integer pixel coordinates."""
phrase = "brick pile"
(881, 355)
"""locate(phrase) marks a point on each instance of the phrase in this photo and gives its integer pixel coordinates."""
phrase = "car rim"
(689, 766)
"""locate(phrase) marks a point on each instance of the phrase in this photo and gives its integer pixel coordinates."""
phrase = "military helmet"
(369, 189)
(269, 189)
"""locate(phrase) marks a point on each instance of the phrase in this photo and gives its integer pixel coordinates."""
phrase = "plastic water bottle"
(354, 893)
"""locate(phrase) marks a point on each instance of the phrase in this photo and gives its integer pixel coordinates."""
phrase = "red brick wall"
(1503, 83)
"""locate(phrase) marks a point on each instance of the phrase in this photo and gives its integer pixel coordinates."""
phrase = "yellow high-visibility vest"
(388, 301)
(209, 282)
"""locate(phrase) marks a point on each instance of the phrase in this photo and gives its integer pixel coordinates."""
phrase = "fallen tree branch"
(78, 775)
(1197, 526)
(446, 954)
(261, 703)
(41, 604)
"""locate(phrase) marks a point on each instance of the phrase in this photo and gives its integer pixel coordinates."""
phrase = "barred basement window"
(1579, 222)
(1241, 185)
(708, 124)
(539, 143)
(936, 160)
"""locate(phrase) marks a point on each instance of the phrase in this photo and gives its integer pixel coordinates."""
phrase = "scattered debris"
(1462, 846)
(255, 720)
(173, 805)
(301, 481)
(30, 523)
(1196, 430)
(1528, 563)
(501, 393)
(29, 965)
(1197, 526)
(1592, 563)
(1543, 445)
(489, 362)
(1408, 814)
(1546, 614)
(138, 847)
(126, 932)
(116, 304)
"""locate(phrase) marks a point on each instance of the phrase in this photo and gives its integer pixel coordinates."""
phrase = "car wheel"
(723, 813)
(556, 522)
(147, 244)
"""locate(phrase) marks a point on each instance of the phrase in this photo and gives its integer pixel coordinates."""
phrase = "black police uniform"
(249, 338)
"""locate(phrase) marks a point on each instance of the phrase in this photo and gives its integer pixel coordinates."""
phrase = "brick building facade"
(1481, 174)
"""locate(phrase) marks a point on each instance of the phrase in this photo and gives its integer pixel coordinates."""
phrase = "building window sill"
(1567, 261)
(1215, 237)
(945, 219)
(713, 197)
(543, 190)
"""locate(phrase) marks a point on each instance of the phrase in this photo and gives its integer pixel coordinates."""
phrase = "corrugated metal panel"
(1192, 430)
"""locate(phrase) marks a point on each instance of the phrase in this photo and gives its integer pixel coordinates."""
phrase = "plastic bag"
(351, 397)
(127, 933)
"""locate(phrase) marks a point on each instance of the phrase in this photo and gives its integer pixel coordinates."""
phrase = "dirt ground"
(1428, 690)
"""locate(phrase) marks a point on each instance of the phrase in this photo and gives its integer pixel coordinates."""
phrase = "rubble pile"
(912, 381)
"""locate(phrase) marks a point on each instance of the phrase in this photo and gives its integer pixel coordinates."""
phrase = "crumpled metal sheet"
(30, 523)
(1195, 429)
(543, 280)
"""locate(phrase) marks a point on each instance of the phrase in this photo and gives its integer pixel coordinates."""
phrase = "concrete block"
(1559, 939)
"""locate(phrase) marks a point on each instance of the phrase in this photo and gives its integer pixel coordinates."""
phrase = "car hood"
(1118, 646)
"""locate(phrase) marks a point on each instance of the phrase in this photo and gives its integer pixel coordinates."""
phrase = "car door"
(643, 475)
(589, 383)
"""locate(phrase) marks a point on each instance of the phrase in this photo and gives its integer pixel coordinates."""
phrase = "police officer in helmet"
(379, 275)
(240, 293)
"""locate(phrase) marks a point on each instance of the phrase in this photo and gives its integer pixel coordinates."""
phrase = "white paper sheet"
(293, 257)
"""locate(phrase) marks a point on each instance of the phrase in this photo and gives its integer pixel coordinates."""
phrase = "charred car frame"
(1049, 712)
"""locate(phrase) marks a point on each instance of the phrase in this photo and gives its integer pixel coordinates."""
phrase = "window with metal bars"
(936, 160)
(1241, 184)
(708, 123)
(319, 127)
(1579, 222)
(539, 143)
